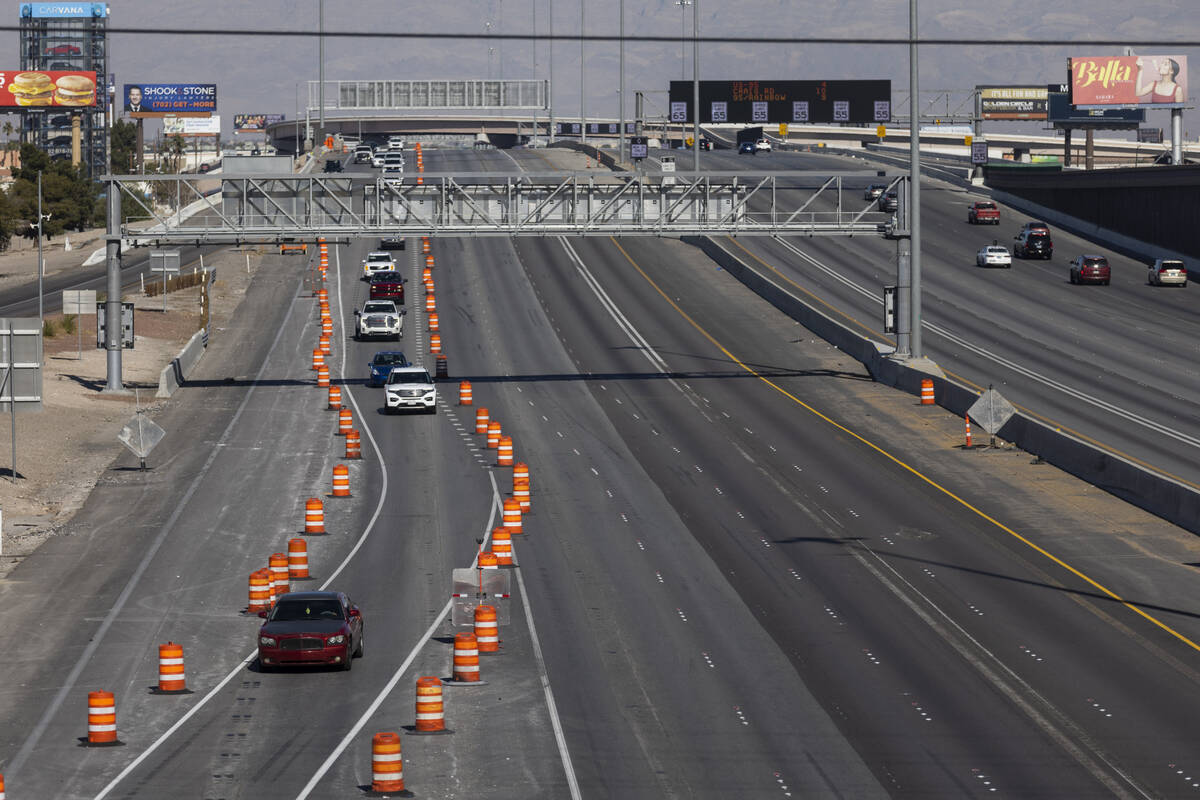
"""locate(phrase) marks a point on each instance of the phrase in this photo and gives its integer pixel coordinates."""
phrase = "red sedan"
(306, 628)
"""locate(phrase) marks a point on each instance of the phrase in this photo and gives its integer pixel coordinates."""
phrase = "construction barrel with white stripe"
(504, 452)
(502, 546)
(278, 564)
(520, 493)
(297, 559)
(466, 658)
(487, 629)
(170, 668)
(431, 713)
(387, 767)
(102, 718)
(314, 515)
(512, 516)
(260, 591)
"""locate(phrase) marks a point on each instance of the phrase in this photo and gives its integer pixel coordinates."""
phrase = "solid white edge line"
(361, 539)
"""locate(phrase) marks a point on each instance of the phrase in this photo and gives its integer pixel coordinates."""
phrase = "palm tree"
(8, 132)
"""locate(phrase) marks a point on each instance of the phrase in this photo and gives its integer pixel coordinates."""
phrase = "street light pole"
(621, 89)
(582, 77)
(696, 84)
(321, 68)
(550, 73)
(914, 193)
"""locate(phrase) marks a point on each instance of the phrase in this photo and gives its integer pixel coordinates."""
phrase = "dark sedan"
(381, 365)
(387, 285)
(306, 628)
(747, 147)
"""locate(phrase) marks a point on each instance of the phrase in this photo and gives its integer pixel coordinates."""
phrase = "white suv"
(378, 318)
(411, 387)
(377, 261)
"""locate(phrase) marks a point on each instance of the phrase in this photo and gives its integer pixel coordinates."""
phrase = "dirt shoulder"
(62, 450)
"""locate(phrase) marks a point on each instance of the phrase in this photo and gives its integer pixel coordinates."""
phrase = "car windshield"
(388, 359)
(1095, 262)
(293, 610)
(377, 257)
(996, 250)
(379, 308)
(985, 205)
(409, 377)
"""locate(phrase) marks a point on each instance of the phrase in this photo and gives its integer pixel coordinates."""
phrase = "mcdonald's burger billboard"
(20, 89)
(1130, 81)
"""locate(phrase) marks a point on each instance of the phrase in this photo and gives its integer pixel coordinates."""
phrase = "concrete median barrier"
(174, 374)
(1159, 494)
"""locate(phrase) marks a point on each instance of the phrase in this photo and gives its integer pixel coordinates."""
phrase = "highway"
(732, 581)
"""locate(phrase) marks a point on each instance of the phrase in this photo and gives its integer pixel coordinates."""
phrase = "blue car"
(382, 364)
(747, 147)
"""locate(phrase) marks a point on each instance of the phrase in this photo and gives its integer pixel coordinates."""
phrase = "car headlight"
(335, 639)
(266, 641)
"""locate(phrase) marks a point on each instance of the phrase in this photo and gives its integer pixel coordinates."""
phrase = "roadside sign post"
(166, 262)
(141, 434)
(78, 302)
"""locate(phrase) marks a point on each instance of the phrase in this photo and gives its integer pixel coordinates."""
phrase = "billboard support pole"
(1089, 150)
(696, 84)
(1176, 135)
(141, 147)
(914, 184)
(112, 303)
(1067, 147)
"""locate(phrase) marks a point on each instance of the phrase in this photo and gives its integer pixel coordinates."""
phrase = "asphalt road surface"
(724, 589)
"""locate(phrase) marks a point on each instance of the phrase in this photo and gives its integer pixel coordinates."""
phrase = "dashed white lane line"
(682, 616)
(741, 717)
(708, 661)
(594, 472)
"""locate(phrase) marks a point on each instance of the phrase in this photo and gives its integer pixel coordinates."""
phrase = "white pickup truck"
(378, 318)
(411, 387)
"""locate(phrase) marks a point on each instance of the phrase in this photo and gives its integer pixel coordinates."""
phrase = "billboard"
(63, 10)
(763, 102)
(1131, 81)
(1062, 113)
(23, 89)
(192, 126)
(255, 122)
(160, 99)
(1012, 102)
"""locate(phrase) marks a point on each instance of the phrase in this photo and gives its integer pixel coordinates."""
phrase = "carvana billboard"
(63, 10)
(47, 88)
(170, 98)
(1146, 81)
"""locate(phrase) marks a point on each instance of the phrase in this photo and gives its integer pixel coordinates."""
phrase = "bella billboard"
(1145, 81)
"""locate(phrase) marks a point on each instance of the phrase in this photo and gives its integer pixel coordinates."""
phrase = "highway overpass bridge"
(510, 130)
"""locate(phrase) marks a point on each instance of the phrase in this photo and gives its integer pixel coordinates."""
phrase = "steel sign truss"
(284, 208)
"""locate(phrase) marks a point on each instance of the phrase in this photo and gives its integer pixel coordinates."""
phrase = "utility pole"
(914, 190)
(696, 84)
(621, 89)
(550, 74)
(582, 78)
(321, 69)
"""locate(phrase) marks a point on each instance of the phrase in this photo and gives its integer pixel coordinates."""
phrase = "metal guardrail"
(288, 207)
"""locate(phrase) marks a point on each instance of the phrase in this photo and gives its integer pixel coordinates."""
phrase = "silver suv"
(411, 387)
(378, 318)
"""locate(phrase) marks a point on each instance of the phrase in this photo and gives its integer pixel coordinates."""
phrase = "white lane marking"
(1070, 391)
(84, 657)
(623, 323)
(357, 546)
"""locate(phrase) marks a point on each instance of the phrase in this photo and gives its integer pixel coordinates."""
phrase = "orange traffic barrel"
(428, 286)
(324, 343)
(442, 370)
(512, 516)
(425, 248)
(335, 396)
(297, 557)
(487, 629)
(387, 768)
(278, 564)
(431, 713)
(345, 422)
(493, 435)
(466, 658)
(326, 326)
(430, 302)
(927, 392)
(353, 445)
(323, 377)
(481, 420)
(318, 359)
(341, 480)
(171, 677)
(420, 180)
(2, 795)
(487, 560)
(433, 320)
(504, 452)
(102, 718)
(520, 470)
(435, 343)
(502, 546)
(260, 591)
(314, 516)
(465, 396)
(426, 274)
(323, 295)
(521, 494)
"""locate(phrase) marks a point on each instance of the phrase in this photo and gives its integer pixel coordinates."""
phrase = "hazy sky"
(260, 74)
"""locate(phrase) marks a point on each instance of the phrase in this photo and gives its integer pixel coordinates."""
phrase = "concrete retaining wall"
(175, 373)
(1169, 499)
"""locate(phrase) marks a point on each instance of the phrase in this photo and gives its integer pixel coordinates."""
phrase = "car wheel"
(1106, 283)
(1071, 276)
(358, 647)
(348, 664)
(1183, 285)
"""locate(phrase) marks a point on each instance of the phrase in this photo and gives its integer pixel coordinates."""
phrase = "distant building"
(67, 37)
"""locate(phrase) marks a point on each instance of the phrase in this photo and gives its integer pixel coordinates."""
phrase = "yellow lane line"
(903, 465)
(961, 379)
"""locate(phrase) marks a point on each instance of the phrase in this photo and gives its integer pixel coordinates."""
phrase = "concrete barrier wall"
(1169, 499)
(175, 373)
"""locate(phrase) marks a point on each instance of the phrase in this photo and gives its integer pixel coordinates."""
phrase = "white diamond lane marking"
(771, 447)
(603, 387)
(975, 610)
(871, 657)
(797, 468)
(682, 616)
(640, 545)
(575, 451)
(725, 414)
(658, 575)
(983, 778)
(618, 401)
(795, 574)
(654, 432)
(1030, 653)
(559, 434)
(764, 541)
(717, 489)
(545, 418)
(929, 572)
(853, 513)
(635, 416)
(741, 717)
(594, 472)
(676, 449)
(823, 489)
(740, 515)
(747, 430)
(832, 614)
(530, 402)
(1096, 705)
(708, 661)
(888, 540)
(625, 519)
(609, 493)
(697, 466)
